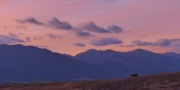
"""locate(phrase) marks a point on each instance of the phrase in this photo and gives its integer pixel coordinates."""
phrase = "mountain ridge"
(28, 63)
(173, 54)
(138, 60)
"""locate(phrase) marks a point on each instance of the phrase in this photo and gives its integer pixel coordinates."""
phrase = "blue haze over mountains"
(20, 64)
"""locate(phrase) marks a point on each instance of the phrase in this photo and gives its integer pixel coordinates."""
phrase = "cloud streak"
(10, 40)
(92, 27)
(81, 33)
(80, 44)
(52, 36)
(83, 30)
(161, 42)
(106, 41)
(28, 39)
(141, 43)
(12, 35)
(30, 20)
(59, 25)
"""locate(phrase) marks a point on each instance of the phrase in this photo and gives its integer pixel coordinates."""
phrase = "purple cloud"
(30, 20)
(174, 40)
(92, 27)
(126, 45)
(162, 42)
(106, 41)
(10, 40)
(52, 36)
(81, 33)
(141, 43)
(80, 44)
(59, 25)
(28, 39)
(115, 29)
(12, 35)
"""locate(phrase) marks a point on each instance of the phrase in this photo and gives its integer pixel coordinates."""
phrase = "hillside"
(24, 64)
(172, 54)
(136, 61)
(19, 64)
(162, 81)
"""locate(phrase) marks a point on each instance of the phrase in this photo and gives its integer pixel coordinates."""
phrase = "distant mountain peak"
(170, 53)
(11, 45)
(140, 50)
(100, 51)
(91, 50)
(109, 50)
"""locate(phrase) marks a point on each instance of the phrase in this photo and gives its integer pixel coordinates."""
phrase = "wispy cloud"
(28, 39)
(52, 36)
(106, 41)
(83, 30)
(160, 42)
(80, 44)
(59, 25)
(81, 33)
(30, 20)
(13, 35)
(10, 40)
(126, 45)
(92, 27)
(141, 43)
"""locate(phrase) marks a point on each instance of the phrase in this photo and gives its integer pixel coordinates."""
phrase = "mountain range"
(172, 54)
(137, 61)
(19, 64)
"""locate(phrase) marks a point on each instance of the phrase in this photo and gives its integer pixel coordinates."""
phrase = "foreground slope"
(163, 81)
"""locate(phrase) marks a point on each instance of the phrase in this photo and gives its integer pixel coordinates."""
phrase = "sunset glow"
(74, 26)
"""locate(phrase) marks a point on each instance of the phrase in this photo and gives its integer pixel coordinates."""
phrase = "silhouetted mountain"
(172, 54)
(140, 51)
(20, 63)
(30, 64)
(137, 61)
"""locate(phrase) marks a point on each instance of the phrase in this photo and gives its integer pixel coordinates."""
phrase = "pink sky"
(149, 24)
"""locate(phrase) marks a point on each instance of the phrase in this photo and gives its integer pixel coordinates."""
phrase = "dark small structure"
(134, 75)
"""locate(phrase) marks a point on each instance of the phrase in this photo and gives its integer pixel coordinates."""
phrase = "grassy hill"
(162, 81)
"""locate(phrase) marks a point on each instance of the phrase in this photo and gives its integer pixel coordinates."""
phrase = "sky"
(74, 26)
